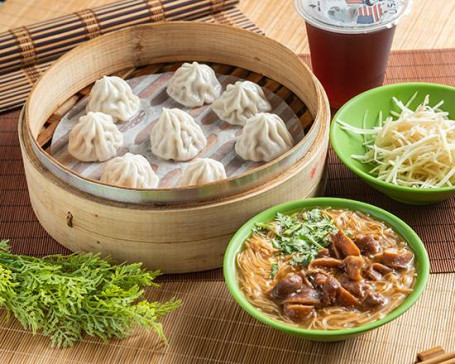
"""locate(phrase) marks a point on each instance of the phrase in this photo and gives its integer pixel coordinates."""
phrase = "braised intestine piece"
(297, 312)
(377, 271)
(363, 292)
(297, 298)
(367, 244)
(325, 262)
(307, 295)
(329, 287)
(397, 258)
(344, 244)
(354, 266)
(286, 287)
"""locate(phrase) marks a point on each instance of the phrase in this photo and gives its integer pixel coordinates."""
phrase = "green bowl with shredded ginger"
(400, 139)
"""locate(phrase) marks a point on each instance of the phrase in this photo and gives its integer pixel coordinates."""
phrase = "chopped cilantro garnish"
(273, 270)
(264, 227)
(301, 234)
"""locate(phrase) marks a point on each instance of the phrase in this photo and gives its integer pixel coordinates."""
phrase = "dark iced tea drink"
(350, 42)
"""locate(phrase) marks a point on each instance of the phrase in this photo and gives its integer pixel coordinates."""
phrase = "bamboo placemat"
(27, 52)
(210, 326)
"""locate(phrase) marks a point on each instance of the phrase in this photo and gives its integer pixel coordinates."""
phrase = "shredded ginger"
(417, 149)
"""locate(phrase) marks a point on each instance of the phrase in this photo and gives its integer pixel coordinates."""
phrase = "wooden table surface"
(431, 24)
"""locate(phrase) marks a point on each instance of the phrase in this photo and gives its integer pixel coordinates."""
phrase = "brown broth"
(254, 264)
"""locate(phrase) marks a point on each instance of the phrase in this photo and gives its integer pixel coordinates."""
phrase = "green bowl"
(379, 99)
(414, 242)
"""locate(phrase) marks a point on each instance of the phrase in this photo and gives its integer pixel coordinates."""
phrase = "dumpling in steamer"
(95, 138)
(240, 102)
(264, 137)
(201, 171)
(177, 136)
(112, 95)
(131, 171)
(194, 84)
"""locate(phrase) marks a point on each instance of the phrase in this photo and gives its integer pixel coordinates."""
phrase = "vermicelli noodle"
(260, 254)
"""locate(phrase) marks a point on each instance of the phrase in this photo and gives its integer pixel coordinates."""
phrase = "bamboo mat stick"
(445, 358)
(430, 353)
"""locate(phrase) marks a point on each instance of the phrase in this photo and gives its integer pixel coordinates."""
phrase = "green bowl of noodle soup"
(296, 295)
(405, 165)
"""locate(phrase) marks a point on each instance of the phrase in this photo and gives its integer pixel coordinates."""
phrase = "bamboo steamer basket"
(187, 235)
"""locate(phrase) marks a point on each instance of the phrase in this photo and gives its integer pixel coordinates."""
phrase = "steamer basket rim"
(322, 108)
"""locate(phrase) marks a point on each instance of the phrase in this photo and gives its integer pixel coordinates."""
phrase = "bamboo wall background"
(431, 25)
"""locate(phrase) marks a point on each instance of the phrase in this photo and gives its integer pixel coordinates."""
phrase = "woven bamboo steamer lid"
(188, 236)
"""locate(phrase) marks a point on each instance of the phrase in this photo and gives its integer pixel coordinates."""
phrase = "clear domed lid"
(352, 16)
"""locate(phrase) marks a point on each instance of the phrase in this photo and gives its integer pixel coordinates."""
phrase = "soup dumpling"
(264, 137)
(131, 171)
(177, 136)
(112, 95)
(95, 138)
(240, 102)
(193, 85)
(201, 171)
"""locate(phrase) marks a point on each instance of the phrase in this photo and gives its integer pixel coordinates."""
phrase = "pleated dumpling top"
(177, 136)
(241, 102)
(112, 95)
(264, 137)
(95, 138)
(131, 171)
(201, 171)
(193, 85)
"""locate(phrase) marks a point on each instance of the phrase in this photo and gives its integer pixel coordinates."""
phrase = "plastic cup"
(350, 42)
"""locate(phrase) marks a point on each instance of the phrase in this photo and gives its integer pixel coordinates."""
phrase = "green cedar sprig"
(66, 297)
